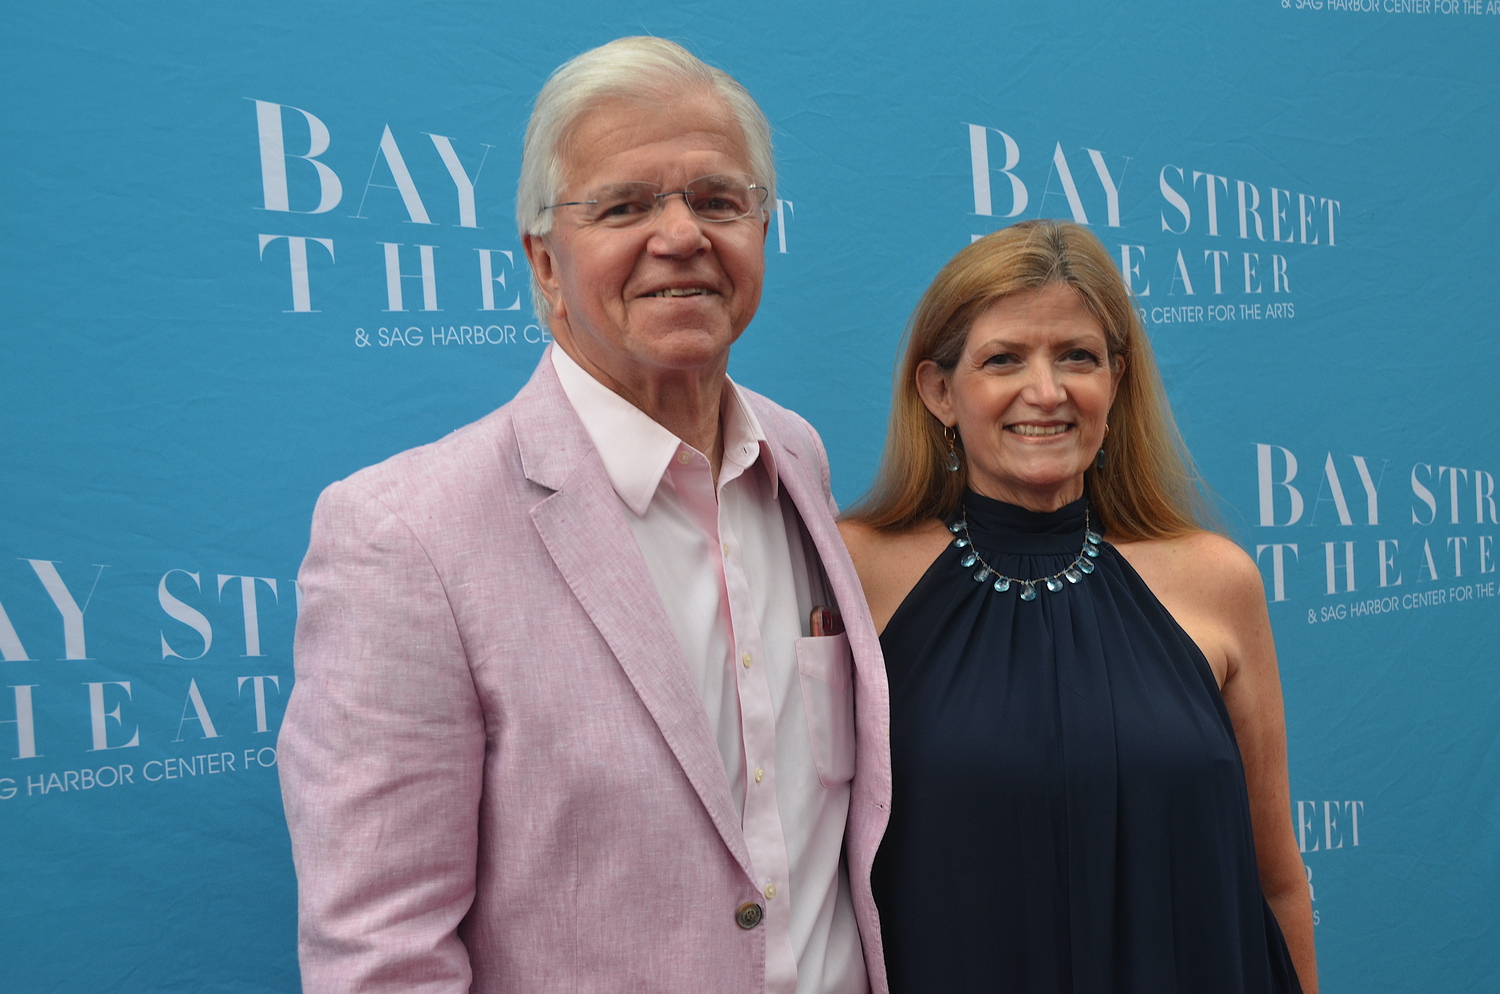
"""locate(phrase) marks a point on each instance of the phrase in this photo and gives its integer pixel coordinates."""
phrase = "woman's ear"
(936, 392)
(1117, 374)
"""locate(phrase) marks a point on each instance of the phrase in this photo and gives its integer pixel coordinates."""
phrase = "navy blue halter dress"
(1069, 812)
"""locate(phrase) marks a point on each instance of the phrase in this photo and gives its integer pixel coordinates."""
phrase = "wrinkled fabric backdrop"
(249, 249)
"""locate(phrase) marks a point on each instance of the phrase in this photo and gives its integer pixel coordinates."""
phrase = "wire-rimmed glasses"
(717, 198)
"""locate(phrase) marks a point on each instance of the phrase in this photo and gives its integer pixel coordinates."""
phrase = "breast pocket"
(825, 666)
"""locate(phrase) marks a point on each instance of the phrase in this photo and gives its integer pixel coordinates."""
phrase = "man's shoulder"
(460, 448)
(482, 457)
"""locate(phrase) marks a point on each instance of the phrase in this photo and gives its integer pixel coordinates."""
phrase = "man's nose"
(676, 230)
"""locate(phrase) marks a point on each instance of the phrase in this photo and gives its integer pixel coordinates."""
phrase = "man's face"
(606, 285)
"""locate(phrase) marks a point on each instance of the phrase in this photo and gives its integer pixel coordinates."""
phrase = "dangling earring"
(951, 435)
(1099, 459)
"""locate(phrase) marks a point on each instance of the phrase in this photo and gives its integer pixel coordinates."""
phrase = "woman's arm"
(1252, 693)
(1214, 591)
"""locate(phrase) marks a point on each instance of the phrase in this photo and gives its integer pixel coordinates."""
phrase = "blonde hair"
(1148, 487)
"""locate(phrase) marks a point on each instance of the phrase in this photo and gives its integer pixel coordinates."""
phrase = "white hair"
(642, 68)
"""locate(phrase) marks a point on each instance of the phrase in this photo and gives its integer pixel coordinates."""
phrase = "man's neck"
(686, 402)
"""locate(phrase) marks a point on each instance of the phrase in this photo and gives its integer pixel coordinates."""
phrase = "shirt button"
(759, 774)
(749, 915)
(684, 457)
(746, 660)
(725, 547)
(770, 891)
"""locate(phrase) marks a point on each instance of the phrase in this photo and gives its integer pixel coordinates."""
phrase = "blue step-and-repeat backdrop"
(250, 248)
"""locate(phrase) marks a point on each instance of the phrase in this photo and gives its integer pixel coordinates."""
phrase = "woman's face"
(1029, 397)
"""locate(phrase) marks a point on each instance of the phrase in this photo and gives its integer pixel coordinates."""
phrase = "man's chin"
(667, 315)
(686, 348)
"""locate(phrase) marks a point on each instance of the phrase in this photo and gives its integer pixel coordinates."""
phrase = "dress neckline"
(998, 526)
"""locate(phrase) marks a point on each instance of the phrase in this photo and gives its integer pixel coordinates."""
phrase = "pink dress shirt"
(731, 565)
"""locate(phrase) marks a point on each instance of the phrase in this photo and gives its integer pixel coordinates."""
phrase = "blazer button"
(749, 915)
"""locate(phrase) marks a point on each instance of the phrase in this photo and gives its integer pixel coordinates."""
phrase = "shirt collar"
(636, 451)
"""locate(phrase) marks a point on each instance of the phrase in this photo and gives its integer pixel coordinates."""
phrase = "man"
(573, 711)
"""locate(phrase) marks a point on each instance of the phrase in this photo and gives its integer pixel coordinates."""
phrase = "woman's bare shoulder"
(1209, 584)
(858, 536)
(891, 561)
(1213, 590)
(866, 541)
(1201, 561)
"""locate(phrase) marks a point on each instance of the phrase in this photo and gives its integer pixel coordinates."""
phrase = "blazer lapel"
(796, 472)
(583, 526)
(799, 466)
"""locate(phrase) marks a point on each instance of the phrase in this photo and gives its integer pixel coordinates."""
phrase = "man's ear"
(936, 392)
(543, 262)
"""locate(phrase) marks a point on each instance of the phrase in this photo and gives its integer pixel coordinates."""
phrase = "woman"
(1087, 736)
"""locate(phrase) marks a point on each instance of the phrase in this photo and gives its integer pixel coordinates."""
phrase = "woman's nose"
(1044, 389)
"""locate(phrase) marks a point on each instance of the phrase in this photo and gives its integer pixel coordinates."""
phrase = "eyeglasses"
(718, 199)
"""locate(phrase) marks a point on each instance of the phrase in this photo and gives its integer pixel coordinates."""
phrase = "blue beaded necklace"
(1072, 573)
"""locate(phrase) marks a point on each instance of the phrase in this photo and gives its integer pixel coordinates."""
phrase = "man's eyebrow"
(620, 185)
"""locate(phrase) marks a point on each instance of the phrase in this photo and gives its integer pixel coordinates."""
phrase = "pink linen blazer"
(496, 767)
